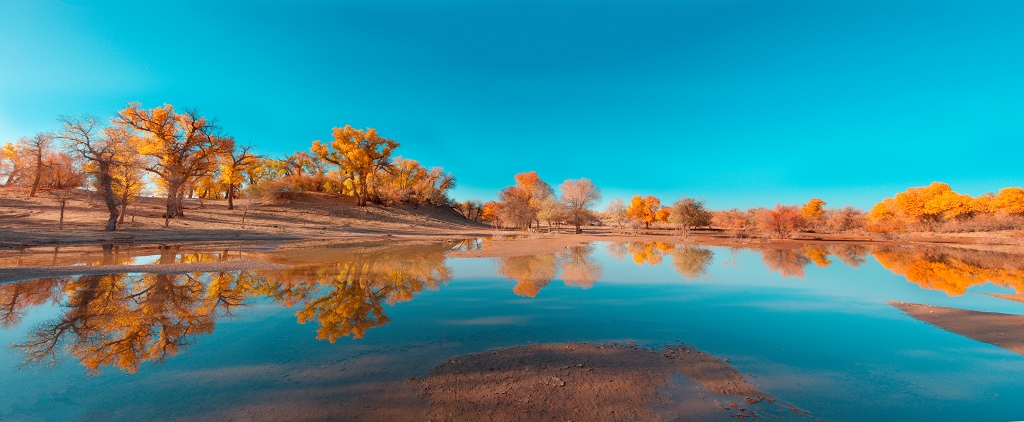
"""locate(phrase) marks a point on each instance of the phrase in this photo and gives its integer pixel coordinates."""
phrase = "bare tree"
(37, 147)
(616, 211)
(578, 196)
(63, 176)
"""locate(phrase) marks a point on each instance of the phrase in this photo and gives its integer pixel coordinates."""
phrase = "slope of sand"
(586, 381)
(34, 221)
(1003, 330)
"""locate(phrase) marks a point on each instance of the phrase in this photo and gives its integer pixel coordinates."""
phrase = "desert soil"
(1003, 330)
(586, 381)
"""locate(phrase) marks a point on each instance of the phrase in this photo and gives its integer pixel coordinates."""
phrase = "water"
(345, 325)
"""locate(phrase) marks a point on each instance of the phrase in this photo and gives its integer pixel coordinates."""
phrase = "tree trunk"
(231, 197)
(107, 189)
(362, 192)
(36, 177)
(124, 210)
(60, 226)
(173, 199)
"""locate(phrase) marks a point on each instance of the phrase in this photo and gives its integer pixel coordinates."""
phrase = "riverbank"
(312, 217)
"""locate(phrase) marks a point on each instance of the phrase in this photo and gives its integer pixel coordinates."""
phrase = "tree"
(813, 212)
(180, 147)
(578, 196)
(61, 177)
(782, 220)
(359, 154)
(688, 213)
(646, 210)
(842, 220)
(37, 148)
(552, 210)
(234, 165)
(1009, 201)
(103, 151)
(616, 212)
(489, 212)
(14, 163)
(515, 208)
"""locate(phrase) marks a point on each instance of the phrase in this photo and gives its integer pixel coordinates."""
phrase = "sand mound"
(584, 381)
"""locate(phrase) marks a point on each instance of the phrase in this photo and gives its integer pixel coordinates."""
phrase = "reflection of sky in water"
(827, 342)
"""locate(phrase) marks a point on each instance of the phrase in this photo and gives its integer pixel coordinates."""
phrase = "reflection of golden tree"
(953, 271)
(531, 273)
(649, 253)
(579, 268)
(852, 255)
(817, 254)
(787, 262)
(691, 261)
(348, 297)
(117, 320)
(16, 298)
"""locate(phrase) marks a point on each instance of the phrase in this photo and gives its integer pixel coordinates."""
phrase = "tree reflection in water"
(791, 261)
(124, 320)
(348, 297)
(531, 272)
(691, 261)
(951, 270)
(579, 268)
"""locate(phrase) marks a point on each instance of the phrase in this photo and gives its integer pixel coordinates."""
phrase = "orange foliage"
(782, 220)
(953, 272)
(646, 210)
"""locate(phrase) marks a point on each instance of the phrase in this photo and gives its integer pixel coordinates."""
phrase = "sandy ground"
(585, 381)
(27, 222)
(1003, 330)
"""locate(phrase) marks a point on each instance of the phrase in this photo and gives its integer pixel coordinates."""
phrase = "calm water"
(341, 327)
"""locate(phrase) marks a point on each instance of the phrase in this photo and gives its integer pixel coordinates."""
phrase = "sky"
(740, 103)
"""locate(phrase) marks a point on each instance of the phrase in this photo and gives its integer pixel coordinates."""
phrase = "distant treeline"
(531, 203)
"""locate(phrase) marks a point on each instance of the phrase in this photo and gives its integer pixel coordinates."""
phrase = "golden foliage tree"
(360, 156)
(813, 212)
(646, 210)
(180, 147)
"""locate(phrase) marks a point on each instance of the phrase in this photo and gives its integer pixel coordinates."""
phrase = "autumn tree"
(647, 210)
(842, 220)
(490, 212)
(15, 164)
(515, 209)
(688, 213)
(579, 196)
(782, 220)
(616, 212)
(359, 154)
(105, 150)
(813, 212)
(180, 146)
(234, 165)
(36, 148)
(61, 177)
(1009, 201)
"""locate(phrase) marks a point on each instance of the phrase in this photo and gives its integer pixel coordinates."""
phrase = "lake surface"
(334, 334)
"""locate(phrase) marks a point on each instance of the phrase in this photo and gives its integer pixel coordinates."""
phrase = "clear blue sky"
(742, 103)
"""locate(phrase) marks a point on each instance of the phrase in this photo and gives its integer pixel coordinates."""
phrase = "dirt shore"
(586, 381)
(1003, 330)
(27, 222)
